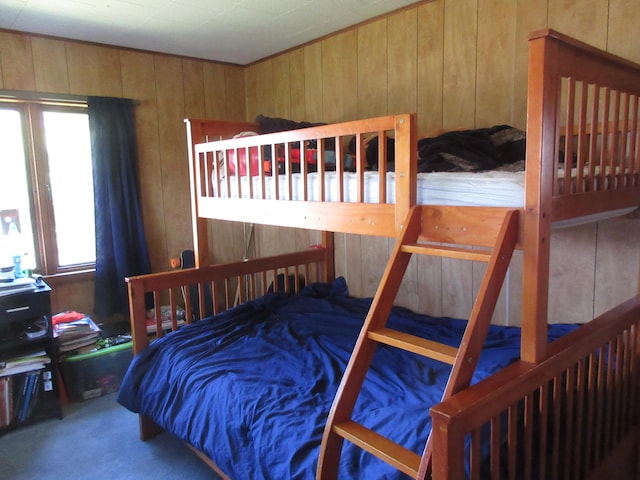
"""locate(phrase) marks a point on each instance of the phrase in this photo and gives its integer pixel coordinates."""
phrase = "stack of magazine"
(75, 332)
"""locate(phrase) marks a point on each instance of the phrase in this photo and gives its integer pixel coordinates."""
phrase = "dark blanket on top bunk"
(473, 150)
(252, 387)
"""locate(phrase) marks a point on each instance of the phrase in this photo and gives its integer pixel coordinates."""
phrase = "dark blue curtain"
(121, 247)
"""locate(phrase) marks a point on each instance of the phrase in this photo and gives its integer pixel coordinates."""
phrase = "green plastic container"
(97, 373)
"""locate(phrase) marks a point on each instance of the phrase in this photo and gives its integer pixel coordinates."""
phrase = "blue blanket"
(251, 387)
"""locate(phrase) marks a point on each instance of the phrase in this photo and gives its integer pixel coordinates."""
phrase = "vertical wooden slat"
(625, 170)
(568, 139)
(579, 435)
(557, 419)
(512, 441)
(604, 147)
(582, 138)
(568, 437)
(172, 306)
(591, 405)
(339, 173)
(528, 436)
(543, 413)
(304, 167)
(494, 452)
(593, 138)
(616, 406)
(321, 173)
(634, 146)
(599, 444)
(610, 376)
(614, 147)
(215, 297)
(474, 455)
(275, 173)
(249, 171)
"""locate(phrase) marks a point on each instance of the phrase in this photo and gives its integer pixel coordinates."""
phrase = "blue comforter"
(251, 387)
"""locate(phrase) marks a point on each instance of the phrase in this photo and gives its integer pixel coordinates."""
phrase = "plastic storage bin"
(97, 373)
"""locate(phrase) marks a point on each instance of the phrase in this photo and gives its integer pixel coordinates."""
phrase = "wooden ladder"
(486, 234)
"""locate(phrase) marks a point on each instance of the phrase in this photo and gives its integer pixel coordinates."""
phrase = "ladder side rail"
(364, 349)
(476, 331)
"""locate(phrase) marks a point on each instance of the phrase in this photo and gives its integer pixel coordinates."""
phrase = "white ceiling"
(236, 31)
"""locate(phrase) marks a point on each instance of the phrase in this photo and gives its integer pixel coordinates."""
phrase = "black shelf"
(25, 329)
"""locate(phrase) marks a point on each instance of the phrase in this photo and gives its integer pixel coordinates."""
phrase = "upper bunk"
(582, 106)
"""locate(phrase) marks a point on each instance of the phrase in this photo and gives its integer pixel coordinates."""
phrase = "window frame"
(39, 188)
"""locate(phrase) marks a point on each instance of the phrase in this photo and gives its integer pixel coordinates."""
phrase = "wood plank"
(478, 255)
(313, 81)
(495, 82)
(459, 69)
(402, 32)
(339, 76)
(585, 20)
(215, 95)
(173, 153)
(622, 33)
(372, 61)
(94, 69)
(529, 17)
(430, 61)
(50, 65)
(282, 81)
(16, 59)
(411, 343)
(396, 455)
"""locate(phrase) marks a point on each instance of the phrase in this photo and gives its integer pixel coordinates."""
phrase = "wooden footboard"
(163, 302)
(574, 415)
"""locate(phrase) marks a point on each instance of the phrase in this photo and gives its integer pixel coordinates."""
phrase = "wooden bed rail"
(194, 293)
(562, 416)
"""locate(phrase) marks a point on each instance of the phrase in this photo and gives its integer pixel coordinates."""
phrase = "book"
(30, 380)
(31, 399)
(6, 402)
(77, 343)
(27, 363)
(75, 329)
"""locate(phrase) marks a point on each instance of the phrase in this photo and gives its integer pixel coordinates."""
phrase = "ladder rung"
(395, 455)
(478, 255)
(422, 346)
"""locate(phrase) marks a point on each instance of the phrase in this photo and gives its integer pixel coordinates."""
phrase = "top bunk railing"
(583, 129)
(304, 168)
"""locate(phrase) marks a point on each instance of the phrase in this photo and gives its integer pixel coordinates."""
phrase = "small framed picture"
(9, 218)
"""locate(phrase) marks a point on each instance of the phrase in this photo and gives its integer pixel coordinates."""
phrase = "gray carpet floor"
(95, 439)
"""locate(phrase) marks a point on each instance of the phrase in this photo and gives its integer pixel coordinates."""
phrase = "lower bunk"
(251, 387)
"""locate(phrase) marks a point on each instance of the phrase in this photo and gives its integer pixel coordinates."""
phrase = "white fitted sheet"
(487, 189)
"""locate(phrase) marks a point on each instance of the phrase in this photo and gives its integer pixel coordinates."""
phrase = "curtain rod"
(49, 97)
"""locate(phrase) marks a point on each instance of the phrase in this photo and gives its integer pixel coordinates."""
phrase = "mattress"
(495, 188)
(252, 387)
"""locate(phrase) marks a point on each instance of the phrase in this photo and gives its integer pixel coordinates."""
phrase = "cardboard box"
(97, 373)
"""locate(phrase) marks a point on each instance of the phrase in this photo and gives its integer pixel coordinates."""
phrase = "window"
(46, 193)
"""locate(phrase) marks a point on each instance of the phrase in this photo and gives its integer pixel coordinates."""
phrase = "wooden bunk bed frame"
(570, 408)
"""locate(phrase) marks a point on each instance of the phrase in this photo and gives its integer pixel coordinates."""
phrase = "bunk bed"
(568, 408)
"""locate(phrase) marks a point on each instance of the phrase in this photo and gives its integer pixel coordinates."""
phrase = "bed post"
(406, 132)
(199, 225)
(329, 259)
(541, 133)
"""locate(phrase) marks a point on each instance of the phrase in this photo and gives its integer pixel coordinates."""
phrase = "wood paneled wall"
(457, 63)
(168, 88)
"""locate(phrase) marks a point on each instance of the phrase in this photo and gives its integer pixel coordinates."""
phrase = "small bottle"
(14, 238)
(17, 266)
